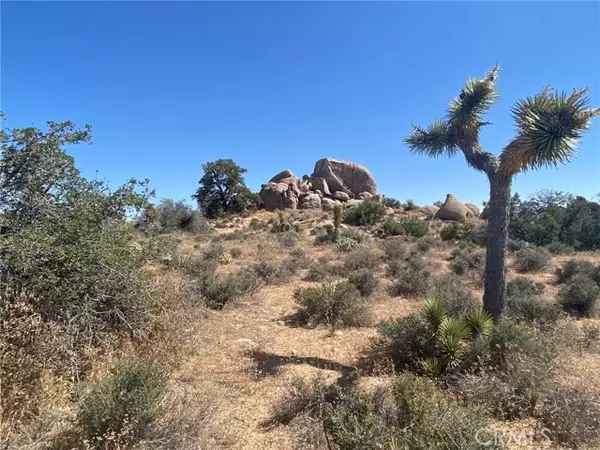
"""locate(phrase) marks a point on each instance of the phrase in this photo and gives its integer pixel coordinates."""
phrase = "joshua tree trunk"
(497, 235)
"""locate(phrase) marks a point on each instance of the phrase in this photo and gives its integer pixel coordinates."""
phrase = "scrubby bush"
(288, 238)
(456, 297)
(575, 267)
(559, 247)
(125, 404)
(236, 252)
(390, 202)
(396, 248)
(304, 397)
(321, 269)
(426, 243)
(213, 252)
(346, 244)
(467, 259)
(362, 258)
(523, 286)
(531, 259)
(531, 309)
(410, 277)
(411, 227)
(174, 215)
(514, 245)
(368, 212)
(410, 205)
(282, 224)
(335, 304)
(257, 224)
(579, 296)
(363, 280)
(275, 273)
(457, 231)
(218, 291)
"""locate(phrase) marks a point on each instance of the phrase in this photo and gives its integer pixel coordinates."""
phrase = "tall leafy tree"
(548, 126)
(222, 189)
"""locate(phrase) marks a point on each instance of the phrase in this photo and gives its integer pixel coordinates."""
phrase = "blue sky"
(169, 86)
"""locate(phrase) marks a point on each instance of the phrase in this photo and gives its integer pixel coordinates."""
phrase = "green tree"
(548, 124)
(65, 239)
(223, 190)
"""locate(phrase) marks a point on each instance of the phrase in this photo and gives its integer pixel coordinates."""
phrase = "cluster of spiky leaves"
(549, 125)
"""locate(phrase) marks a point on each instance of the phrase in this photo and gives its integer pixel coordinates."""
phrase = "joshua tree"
(548, 126)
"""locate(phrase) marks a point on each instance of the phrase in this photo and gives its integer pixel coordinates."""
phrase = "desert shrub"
(367, 212)
(514, 245)
(410, 205)
(363, 280)
(531, 309)
(177, 215)
(466, 259)
(572, 416)
(531, 259)
(405, 340)
(410, 277)
(362, 258)
(426, 243)
(559, 247)
(575, 267)
(236, 252)
(288, 238)
(303, 397)
(213, 252)
(396, 248)
(457, 231)
(523, 286)
(257, 224)
(322, 269)
(217, 291)
(390, 202)
(335, 304)
(456, 297)
(411, 227)
(282, 224)
(299, 258)
(579, 296)
(125, 404)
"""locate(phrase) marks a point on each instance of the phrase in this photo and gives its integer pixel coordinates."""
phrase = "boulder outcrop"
(452, 209)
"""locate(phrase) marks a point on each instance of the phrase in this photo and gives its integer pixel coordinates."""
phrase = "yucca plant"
(548, 124)
(452, 340)
(479, 323)
(434, 312)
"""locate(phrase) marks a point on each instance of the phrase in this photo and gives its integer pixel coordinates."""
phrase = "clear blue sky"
(169, 86)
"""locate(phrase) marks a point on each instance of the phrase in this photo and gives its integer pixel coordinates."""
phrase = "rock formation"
(473, 208)
(452, 209)
(333, 182)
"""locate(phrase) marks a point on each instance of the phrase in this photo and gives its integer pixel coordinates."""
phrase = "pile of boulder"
(333, 182)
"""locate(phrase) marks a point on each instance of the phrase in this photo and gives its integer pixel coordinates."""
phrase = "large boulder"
(328, 203)
(345, 176)
(311, 201)
(365, 196)
(286, 177)
(320, 184)
(279, 196)
(430, 209)
(473, 208)
(452, 209)
(342, 196)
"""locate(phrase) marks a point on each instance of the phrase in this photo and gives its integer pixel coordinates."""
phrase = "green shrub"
(456, 297)
(299, 258)
(410, 205)
(363, 280)
(426, 243)
(368, 212)
(257, 224)
(335, 304)
(276, 273)
(303, 398)
(282, 224)
(559, 247)
(362, 258)
(467, 259)
(411, 227)
(523, 286)
(346, 244)
(396, 249)
(124, 404)
(531, 309)
(579, 296)
(411, 277)
(390, 202)
(288, 238)
(457, 231)
(320, 270)
(405, 341)
(213, 252)
(217, 291)
(531, 259)
(236, 252)
(575, 267)
(514, 245)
